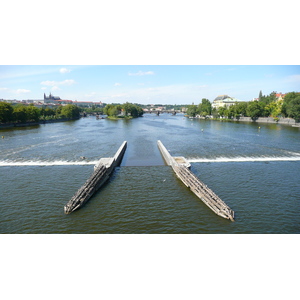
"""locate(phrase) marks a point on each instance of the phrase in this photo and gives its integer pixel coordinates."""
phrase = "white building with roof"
(224, 101)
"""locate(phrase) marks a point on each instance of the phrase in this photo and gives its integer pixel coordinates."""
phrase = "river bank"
(269, 120)
(11, 125)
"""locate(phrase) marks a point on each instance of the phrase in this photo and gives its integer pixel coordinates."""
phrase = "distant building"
(279, 96)
(224, 101)
(88, 103)
(62, 102)
(50, 99)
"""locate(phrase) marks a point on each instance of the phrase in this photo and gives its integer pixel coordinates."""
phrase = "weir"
(102, 170)
(181, 168)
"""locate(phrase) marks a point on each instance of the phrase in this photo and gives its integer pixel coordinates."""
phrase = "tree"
(70, 111)
(112, 110)
(20, 113)
(241, 108)
(274, 108)
(192, 110)
(49, 112)
(255, 110)
(268, 99)
(204, 108)
(58, 112)
(222, 111)
(260, 95)
(6, 112)
(293, 109)
(127, 108)
(33, 113)
(287, 103)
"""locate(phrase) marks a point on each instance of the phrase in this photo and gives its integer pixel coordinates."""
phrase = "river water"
(253, 168)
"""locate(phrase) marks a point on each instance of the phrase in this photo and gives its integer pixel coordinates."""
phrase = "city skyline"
(146, 84)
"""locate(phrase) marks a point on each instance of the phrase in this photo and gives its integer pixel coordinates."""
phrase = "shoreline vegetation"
(266, 109)
(29, 115)
(269, 107)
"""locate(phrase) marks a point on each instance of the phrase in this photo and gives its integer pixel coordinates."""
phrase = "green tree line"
(29, 113)
(126, 110)
(265, 106)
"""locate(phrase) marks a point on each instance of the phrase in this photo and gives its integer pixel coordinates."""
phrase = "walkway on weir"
(202, 191)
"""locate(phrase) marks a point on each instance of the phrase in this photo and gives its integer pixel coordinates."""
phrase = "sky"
(146, 84)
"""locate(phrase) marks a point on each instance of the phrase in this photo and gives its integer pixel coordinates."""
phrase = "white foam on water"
(244, 159)
(45, 163)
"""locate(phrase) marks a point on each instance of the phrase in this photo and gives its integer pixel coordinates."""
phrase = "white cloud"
(56, 83)
(3, 89)
(43, 88)
(64, 70)
(22, 91)
(141, 73)
(55, 88)
(117, 84)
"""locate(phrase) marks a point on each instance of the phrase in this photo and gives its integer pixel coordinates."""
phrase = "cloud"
(117, 84)
(141, 73)
(22, 91)
(64, 70)
(56, 83)
(55, 88)
(3, 89)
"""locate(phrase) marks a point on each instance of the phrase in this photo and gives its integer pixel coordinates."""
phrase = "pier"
(181, 168)
(102, 170)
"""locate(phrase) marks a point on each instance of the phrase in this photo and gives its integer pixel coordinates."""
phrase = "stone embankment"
(286, 121)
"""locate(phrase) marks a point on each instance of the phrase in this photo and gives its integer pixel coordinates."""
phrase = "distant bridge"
(158, 112)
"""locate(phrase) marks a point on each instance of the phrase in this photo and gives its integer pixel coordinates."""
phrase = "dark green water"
(255, 171)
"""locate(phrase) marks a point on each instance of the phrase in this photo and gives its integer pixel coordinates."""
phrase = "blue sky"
(146, 84)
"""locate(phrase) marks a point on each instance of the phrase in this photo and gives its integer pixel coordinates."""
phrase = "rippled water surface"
(254, 170)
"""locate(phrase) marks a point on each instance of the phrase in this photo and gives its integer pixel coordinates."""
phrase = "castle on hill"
(51, 98)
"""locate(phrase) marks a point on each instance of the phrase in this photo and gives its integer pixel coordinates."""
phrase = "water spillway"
(181, 168)
(102, 170)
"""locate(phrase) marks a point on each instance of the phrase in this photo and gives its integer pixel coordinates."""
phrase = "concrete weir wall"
(181, 168)
(165, 154)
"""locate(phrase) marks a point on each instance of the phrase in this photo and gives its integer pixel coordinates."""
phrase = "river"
(253, 168)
